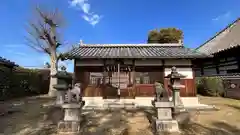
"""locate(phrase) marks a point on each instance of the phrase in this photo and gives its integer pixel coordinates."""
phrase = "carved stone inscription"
(68, 126)
(164, 127)
(167, 125)
(164, 113)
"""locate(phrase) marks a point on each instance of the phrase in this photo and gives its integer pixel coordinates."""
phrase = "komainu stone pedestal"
(71, 121)
(164, 121)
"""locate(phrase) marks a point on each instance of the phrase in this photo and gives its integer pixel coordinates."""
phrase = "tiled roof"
(134, 51)
(7, 62)
(226, 39)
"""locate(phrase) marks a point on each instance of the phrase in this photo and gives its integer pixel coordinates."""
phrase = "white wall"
(184, 71)
(148, 62)
(188, 72)
(177, 62)
(89, 63)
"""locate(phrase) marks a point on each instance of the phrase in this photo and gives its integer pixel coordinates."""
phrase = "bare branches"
(42, 31)
(35, 44)
(35, 39)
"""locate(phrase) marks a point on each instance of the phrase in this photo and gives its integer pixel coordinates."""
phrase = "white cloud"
(93, 20)
(13, 45)
(86, 8)
(15, 52)
(222, 17)
(21, 53)
(91, 17)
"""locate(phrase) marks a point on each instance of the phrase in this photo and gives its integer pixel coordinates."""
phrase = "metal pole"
(119, 80)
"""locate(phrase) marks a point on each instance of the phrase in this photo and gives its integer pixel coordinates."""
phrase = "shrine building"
(127, 72)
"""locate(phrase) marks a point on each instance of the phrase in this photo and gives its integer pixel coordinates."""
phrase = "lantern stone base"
(72, 111)
(71, 121)
(68, 127)
(170, 126)
(164, 121)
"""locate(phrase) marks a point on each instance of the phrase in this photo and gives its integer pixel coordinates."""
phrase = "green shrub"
(210, 86)
(22, 82)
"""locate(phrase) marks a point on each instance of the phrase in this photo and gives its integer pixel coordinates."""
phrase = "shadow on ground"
(27, 117)
(116, 122)
(32, 119)
(219, 129)
(234, 106)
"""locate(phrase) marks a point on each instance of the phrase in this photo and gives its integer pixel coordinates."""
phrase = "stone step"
(118, 105)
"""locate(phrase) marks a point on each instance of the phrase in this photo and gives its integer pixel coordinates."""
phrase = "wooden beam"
(178, 66)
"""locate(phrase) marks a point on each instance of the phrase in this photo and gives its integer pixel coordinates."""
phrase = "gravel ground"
(28, 117)
(24, 116)
(226, 121)
(117, 122)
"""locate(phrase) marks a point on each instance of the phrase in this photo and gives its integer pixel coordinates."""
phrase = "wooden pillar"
(216, 63)
(134, 79)
(75, 70)
(163, 68)
(166, 80)
(104, 73)
(118, 69)
(133, 73)
(238, 62)
(194, 91)
(200, 66)
(202, 71)
(129, 77)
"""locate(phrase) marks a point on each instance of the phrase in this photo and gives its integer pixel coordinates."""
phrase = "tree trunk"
(53, 92)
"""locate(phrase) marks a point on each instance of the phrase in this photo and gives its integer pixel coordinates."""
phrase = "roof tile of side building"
(223, 40)
(7, 62)
(134, 51)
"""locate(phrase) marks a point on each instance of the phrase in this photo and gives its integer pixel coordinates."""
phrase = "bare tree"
(43, 36)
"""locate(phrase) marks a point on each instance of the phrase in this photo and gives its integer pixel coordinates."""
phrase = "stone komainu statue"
(159, 89)
(75, 92)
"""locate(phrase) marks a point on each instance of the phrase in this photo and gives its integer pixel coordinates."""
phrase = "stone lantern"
(163, 121)
(175, 85)
(64, 80)
(72, 108)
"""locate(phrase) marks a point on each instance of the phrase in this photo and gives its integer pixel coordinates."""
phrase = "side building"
(225, 47)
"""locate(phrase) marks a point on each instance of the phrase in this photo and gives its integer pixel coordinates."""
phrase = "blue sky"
(113, 21)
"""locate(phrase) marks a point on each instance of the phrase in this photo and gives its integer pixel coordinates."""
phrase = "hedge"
(22, 82)
(210, 86)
